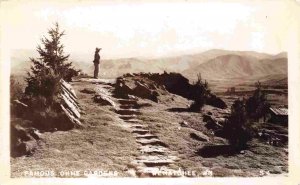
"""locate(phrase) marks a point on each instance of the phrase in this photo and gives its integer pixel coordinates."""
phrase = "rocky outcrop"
(29, 118)
(125, 88)
(69, 105)
(199, 136)
(152, 85)
(24, 141)
(103, 96)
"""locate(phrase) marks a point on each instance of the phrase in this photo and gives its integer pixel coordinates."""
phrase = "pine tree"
(237, 128)
(202, 92)
(50, 67)
(257, 105)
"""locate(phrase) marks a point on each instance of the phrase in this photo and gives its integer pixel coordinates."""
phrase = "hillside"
(238, 66)
(130, 134)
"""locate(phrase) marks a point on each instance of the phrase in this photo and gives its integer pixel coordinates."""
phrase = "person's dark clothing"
(97, 58)
(96, 63)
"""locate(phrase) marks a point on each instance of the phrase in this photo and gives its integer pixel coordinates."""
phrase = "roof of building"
(280, 111)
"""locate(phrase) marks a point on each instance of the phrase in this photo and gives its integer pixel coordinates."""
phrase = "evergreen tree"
(237, 128)
(257, 105)
(202, 92)
(50, 67)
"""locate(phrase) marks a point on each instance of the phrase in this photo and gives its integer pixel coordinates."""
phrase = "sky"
(151, 29)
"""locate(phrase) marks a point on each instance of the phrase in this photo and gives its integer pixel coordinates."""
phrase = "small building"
(278, 115)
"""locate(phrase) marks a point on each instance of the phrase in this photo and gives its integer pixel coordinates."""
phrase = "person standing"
(96, 62)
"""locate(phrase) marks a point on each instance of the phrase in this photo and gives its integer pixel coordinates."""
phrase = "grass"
(103, 145)
(165, 125)
(106, 145)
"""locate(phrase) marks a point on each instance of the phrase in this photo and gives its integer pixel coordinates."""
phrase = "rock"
(104, 100)
(18, 103)
(19, 108)
(128, 75)
(122, 89)
(142, 90)
(154, 95)
(70, 106)
(24, 141)
(184, 124)
(75, 121)
(68, 87)
(88, 91)
(212, 122)
(27, 148)
(199, 136)
(132, 97)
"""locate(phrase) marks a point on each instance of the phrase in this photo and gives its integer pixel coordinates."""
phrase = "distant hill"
(238, 66)
(212, 64)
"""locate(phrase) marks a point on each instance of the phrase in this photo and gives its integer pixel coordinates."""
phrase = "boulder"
(104, 100)
(122, 89)
(142, 90)
(27, 147)
(24, 141)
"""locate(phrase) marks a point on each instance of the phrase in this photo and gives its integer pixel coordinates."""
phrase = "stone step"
(153, 141)
(140, 131)
(127, 111)
(153, 149)
(128, 117)
(127, 101)
(139, 126)
(133, 121)
(155, 160)
(128, 106)
(146, 136)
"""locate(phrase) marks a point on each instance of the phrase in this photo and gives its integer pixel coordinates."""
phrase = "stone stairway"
(155, 159)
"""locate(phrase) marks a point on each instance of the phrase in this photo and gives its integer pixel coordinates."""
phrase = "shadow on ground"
(216, 150)
(179, 109)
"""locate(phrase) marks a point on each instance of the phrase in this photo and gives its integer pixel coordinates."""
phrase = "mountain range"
(212, 64)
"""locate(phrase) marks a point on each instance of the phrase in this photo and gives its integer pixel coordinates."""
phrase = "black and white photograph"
(150, 89)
